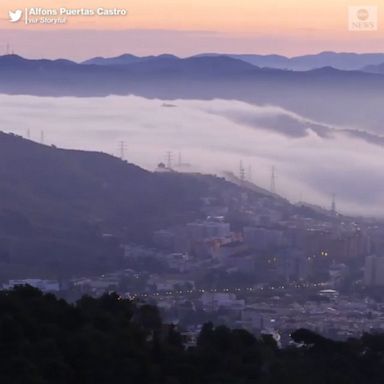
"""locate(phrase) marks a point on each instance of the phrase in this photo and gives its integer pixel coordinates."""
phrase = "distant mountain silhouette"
(353, 97)
(342, 60)
(125, 59)
(165, 76)
(63, 77)
(17, 62)
(337, 60)
(169, 64)
(375, 68)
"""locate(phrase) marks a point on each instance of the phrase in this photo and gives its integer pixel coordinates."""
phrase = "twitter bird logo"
(15, 16)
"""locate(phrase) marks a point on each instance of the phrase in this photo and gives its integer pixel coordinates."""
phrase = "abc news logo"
(363, 18)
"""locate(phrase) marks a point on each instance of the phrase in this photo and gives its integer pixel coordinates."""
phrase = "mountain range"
(375, 68)
(342, 61)
(166, 76)
(337, 60)
(353, 98)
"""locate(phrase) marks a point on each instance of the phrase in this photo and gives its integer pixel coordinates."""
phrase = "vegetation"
(44, 339)
(65, 212)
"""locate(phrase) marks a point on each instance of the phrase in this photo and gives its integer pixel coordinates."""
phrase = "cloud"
(313, 160)
(273, 118)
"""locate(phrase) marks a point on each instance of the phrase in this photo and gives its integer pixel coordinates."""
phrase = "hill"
(66, 78)
(125, 59)
(65, 213)
(59, 208)
(338, 60)
(375, 68)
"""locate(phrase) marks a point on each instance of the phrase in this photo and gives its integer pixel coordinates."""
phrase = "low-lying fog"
(312, 160)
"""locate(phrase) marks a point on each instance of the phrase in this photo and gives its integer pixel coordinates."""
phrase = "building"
(212, 301)
(208, 230)
(374, 271)
(263, 239)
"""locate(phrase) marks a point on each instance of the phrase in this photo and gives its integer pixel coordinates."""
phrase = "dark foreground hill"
(58, 207)
(44, 340)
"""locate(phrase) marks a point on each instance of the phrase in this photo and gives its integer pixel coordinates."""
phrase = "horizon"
(123, 53)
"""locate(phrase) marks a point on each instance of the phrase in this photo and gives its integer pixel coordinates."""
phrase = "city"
(255, 262)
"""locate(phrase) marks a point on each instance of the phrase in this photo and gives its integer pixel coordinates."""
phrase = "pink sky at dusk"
(185, 27)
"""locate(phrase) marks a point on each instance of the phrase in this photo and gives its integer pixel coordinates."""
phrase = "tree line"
(44, 339)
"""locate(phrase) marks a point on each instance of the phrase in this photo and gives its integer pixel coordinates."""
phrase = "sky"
(212, 136)
(186, 27)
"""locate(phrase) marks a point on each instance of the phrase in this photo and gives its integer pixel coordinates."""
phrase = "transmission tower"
(169, 160)
(273, 180)
(122, 146)
(250, 173)
(333, 205)
(242, 172)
